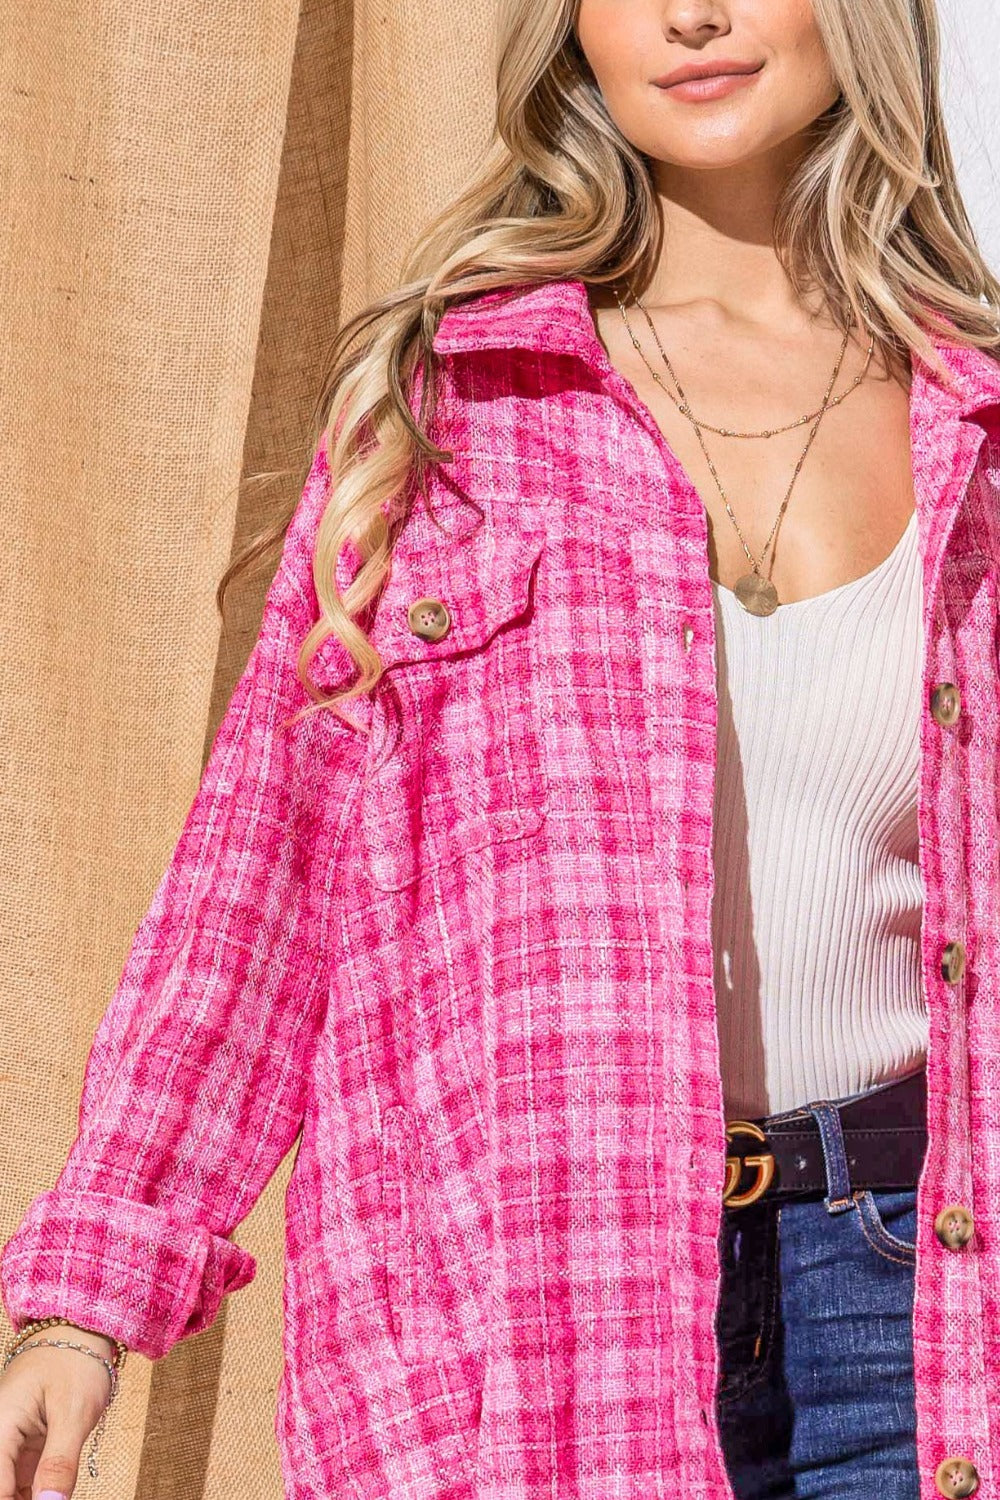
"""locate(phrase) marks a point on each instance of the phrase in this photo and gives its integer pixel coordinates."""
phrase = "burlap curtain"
(194, 193)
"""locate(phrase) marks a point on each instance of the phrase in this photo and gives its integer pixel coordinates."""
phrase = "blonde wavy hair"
(873, 207)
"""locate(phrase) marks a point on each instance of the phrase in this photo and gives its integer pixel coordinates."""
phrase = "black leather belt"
(781, 1156)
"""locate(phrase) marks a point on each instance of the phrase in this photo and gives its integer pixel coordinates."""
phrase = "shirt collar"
(549, 315)
(555, 317)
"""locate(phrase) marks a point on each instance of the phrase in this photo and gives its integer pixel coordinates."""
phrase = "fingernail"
(50, 1495)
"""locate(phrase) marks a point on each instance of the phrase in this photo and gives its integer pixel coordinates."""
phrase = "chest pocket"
(455, 760)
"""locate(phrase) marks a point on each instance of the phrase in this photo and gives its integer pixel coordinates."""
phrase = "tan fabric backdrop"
(194, 192)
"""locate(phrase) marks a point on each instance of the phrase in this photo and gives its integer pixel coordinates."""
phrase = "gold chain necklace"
(685, 410)
(756, 593)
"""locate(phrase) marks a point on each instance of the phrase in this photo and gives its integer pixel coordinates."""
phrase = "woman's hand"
(50, 1402)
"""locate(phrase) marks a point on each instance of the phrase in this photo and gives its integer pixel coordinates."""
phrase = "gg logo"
(734, 1166)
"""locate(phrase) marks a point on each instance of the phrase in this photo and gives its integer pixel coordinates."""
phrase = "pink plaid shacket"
(469, 956)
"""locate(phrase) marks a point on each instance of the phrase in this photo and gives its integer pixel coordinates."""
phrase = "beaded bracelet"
(24, 1339)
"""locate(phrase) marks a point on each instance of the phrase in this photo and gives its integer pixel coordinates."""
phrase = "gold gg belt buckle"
(764, 1163)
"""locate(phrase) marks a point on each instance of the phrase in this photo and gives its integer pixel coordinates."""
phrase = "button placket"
(953, 1225)
(946, 707)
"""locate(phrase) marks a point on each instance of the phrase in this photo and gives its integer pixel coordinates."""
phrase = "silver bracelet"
(68, 1344)
(112, 1372)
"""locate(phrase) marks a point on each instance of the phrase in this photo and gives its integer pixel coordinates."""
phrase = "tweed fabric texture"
(468, 954)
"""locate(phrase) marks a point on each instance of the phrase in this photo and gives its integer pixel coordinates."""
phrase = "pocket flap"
(483, 579)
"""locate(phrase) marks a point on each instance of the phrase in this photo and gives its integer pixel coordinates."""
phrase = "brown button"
(946, 703)
(428, 619)
(953, 961)
(956, 1476)
(954, 1226)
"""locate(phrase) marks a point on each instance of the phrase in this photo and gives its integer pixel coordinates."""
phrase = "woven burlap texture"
(195, 192)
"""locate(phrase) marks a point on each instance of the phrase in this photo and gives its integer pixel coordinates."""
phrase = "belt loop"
(838, 1177)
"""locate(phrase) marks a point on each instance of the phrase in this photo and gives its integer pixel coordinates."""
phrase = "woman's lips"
(716, 87)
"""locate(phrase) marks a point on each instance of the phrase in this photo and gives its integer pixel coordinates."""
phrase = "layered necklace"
(754, 589)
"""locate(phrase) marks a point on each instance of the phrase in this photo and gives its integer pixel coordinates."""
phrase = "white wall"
(970, 68)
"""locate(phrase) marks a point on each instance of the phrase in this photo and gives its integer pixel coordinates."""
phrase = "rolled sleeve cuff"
(118, 1267)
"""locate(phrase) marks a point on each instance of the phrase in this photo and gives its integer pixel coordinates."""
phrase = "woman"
(603, 834)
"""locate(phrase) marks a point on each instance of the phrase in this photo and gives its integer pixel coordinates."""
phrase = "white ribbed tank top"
(818, 896)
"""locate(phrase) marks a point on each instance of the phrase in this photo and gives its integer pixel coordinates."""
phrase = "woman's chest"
(817, 505)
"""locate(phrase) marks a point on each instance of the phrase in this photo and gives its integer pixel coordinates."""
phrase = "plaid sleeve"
(194, 1088)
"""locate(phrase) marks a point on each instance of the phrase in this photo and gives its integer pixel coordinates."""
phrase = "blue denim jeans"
(814, 1325)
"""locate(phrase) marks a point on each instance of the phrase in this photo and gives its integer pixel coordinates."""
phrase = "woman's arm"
(195, 1084)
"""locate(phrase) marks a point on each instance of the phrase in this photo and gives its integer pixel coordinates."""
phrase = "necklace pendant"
(757, 595)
